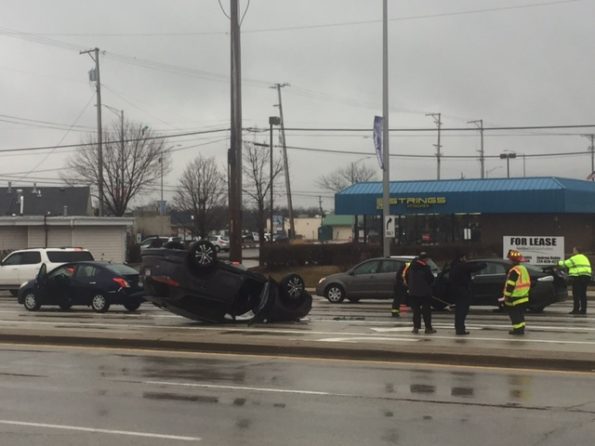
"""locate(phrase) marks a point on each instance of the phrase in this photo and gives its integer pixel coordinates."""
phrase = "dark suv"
(194, 284)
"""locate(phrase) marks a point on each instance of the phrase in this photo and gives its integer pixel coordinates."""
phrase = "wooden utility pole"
(285, 163)
(97, 78)
(235, 151)
(479, 123)
(438, 121)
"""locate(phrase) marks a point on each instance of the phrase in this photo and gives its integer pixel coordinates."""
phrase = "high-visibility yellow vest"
(522, 285)
(578, 265)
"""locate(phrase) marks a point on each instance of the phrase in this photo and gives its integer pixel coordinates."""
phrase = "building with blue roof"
(477, 210)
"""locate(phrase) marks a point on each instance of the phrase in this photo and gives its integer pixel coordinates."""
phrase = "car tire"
(537, 309)
(202, 254)
(292, 288)
(438, 306)
(14, 293)
(99, 303)
(334, 293)
(65, 306)
(31, 302)
(132, 306)
(353, 300)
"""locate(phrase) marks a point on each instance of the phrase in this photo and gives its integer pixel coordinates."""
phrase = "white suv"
(22, 265)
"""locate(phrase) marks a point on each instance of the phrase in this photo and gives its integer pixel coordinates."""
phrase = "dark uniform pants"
(421, 305)
(517, 316)
(400, 297)
(579, 293)
(463, 301)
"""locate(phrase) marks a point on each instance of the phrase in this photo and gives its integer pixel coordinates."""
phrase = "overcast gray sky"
(166, 64)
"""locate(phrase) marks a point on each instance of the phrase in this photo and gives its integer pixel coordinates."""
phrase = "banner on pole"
(378, 120)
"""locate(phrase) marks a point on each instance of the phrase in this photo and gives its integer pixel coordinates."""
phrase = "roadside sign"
(389, 226)
(537, 249)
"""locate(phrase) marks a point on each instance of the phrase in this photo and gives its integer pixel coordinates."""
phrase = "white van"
(23, 265)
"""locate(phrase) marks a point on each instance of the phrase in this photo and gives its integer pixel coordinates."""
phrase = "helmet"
(515, 256)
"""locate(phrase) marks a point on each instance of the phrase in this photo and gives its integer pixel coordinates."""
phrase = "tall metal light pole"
(479, 123)
(507, 156)
(97, 79)
(385, 132)
(592, 150)
(273, 120)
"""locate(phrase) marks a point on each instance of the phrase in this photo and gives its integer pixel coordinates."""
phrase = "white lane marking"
(99, 431)
(222, 387)
(367, 338)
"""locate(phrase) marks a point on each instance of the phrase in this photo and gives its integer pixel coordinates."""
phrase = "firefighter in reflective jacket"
(401, 290)
(516, 292)
(579, 270)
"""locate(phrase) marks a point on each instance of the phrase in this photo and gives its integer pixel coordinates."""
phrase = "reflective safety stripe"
(515, 302)
(520, 288)
(519, 325)
(396, 310)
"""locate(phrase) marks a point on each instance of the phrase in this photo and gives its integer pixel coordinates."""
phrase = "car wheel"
(438, 306)
(537, 309)
(335, 294)
(13, 293)
(353, 300)
(65, 306)
(203, 254)
(99, 303)
(217, 248)
(132, 306)
(292, 287)
(31, 302)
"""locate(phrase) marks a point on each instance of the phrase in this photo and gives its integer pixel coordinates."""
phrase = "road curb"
(564, 362)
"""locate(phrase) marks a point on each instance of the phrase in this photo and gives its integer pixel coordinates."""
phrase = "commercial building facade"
(477, 212)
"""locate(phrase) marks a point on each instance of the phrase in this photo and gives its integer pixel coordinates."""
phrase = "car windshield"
(123, 270)
(69, 256)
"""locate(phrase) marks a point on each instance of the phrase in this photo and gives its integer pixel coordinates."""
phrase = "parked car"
(157, 241)
(194, 284)
(548, 284)
(219, 242)
(95, 284)
(371, 279)
(22, 265)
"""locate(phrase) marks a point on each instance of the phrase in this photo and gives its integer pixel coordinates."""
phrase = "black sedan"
(548, 284)
(95, 284)
(194, 284)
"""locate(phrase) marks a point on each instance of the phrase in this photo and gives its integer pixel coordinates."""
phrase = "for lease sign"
(537, 249)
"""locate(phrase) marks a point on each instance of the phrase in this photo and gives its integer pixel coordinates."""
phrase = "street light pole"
(385, 132)
(273, 120)
(507, 156)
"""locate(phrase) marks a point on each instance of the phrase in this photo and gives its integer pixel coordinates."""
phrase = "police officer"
(401, 290)
(460, 288)
(516, 292)
(420, 279)
(579, 269)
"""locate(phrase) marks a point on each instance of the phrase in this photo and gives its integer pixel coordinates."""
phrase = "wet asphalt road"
(72, 396)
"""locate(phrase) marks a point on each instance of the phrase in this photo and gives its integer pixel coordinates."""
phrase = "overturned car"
(195, 284)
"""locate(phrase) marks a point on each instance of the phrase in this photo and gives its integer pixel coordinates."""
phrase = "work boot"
(465, 332)
(574, 312)
(430, 331)
(395, 314)
(516, 332)
(415, 331)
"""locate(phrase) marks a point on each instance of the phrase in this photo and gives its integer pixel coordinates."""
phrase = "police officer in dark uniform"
(460, 288)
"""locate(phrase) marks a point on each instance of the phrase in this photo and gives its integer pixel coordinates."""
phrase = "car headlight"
(321, 280)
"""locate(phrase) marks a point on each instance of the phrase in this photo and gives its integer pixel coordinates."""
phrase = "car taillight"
(121, 281)
(166, 279)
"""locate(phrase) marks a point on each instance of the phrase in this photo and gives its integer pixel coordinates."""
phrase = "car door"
(30, 263)
(363, 282)
(9, 271)
(385, 279)
(488, 283)
(57, 287)
(84, 284)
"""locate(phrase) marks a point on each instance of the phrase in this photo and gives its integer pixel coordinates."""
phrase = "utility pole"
(438, 122)
(273, 120)
(235, 151)
(592, 150)
(479, 123)
(285, 162)
(97, 79)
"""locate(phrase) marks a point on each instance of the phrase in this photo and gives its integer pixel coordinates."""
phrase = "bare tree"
(133, 160)
(346, 176)
(201, 190)
(257, 174)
